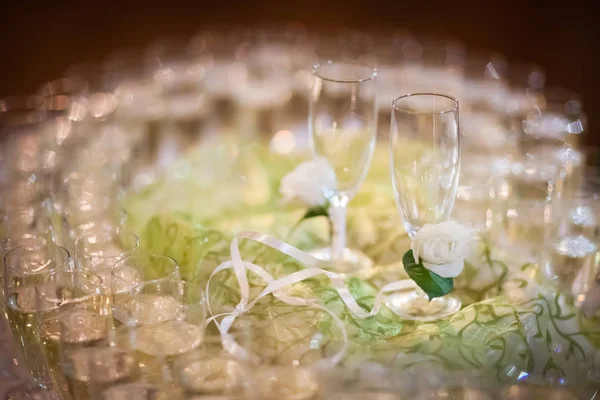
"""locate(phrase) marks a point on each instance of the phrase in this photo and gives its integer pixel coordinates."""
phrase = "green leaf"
(431, 283)
(317, 211)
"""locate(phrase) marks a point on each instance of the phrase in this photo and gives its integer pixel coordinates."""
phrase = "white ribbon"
(314, 267)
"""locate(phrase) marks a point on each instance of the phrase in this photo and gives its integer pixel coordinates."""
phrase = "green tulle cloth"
(513, 325)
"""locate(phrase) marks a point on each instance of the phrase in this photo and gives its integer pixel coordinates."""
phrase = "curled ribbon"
(313, 267)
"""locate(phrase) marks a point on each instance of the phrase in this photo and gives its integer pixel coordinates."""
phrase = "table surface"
(514, 324)
(515, 327)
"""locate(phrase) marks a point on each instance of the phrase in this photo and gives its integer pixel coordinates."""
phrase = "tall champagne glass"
(425, 166)
(343, 126)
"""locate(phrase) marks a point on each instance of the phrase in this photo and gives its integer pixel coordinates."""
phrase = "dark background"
(39, 39)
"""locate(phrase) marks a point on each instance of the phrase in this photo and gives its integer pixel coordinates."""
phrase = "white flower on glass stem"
(443, 247)
(307, 181)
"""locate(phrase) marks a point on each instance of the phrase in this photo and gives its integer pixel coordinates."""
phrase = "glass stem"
(337, 215)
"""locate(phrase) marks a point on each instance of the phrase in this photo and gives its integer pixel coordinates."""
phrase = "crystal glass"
(162, 348)
(102, 249)
(425, 165)
(89, 360)
(31, 242)
(540, 172)
(343, 128)
(147, 289)
(40, 291)
(24, 268)
(81, 317)
(569, 257)
(99, 251)
(86, 207)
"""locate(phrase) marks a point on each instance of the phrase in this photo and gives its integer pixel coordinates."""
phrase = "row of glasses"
(84, 329)
(161, 93)
(179, 80)
(22, 207)
(157, 323)
(23, 216)
(59, 185)
(26, 163)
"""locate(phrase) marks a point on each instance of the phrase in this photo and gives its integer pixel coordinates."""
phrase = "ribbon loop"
(313, 267)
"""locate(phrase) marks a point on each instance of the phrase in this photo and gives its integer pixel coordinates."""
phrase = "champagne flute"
(425, 166)
(343, 128)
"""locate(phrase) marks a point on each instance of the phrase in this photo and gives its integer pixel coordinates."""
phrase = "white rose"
(443, 247)
(307, 181)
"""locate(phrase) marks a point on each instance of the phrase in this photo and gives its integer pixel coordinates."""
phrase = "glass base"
(353, 261)
(414, 305)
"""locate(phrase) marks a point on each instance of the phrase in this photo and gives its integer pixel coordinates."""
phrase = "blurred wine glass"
(343, 129)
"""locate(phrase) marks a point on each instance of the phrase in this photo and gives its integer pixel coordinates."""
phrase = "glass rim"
(17, 249)
(318, 67)
(116, 231)
(454, 101)
(122, 262)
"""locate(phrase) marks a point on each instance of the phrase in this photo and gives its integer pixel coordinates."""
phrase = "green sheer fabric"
(514, 326)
